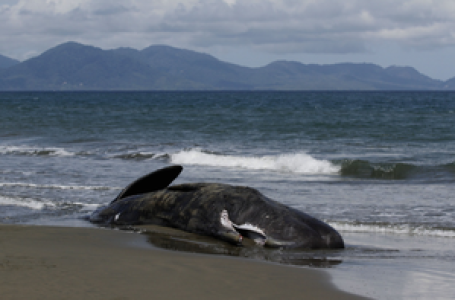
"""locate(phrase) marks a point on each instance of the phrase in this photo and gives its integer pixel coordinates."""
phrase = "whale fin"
(158, 180)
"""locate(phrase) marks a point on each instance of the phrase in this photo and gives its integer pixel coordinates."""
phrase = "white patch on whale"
(252, 231)
(224, 219)
(249, 227)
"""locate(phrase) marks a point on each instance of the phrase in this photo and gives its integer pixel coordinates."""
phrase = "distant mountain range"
(73, 66)
(6, 62)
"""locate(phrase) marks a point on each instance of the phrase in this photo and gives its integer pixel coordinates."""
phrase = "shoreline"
(39, 262)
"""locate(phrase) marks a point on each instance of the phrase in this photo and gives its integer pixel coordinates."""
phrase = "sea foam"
(400, 229)
(43, 204)
(25, 202)
(295, 163)
(56, 187)
(35, 151)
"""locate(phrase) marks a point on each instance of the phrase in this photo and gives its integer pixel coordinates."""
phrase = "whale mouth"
(247, 230)
(252, 232)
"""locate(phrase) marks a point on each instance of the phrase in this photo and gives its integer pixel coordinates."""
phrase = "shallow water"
(400, 267)
(378, 166)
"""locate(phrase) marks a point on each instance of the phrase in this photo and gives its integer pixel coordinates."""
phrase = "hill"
(73, 66)
(6, 62)
(203, 70)
(450, 84)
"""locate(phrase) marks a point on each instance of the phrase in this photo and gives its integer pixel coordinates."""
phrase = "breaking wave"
(296, 163)
(299, 162)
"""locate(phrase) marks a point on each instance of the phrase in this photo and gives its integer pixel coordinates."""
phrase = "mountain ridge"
(6, 62)
(74, 66)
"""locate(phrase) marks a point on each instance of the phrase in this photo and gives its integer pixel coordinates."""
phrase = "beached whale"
(223, 211)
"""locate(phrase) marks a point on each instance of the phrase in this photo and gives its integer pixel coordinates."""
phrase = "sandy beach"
(87, 263)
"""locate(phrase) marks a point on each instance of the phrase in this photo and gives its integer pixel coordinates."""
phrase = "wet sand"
(90, 263)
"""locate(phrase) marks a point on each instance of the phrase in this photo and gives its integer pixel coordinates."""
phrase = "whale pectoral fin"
(154, 181)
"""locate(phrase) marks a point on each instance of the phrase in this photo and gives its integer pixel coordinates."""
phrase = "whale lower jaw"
(259, 237)
(236, 232)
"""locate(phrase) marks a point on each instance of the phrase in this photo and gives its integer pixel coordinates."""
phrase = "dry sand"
(87, 263)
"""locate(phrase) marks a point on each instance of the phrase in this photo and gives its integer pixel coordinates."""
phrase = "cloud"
(287, 26)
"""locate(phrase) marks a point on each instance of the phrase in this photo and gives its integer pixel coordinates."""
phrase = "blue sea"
(378, 166)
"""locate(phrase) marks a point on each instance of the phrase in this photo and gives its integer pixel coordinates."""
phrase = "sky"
(417, 33)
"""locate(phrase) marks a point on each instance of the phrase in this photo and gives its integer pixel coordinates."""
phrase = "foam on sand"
(400, 229)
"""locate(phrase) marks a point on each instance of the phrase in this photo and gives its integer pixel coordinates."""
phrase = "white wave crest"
(392, 229)
(30, 150)
(55, 186)
(87, 207)
(295, 163)
(26, 202)
(35, 204)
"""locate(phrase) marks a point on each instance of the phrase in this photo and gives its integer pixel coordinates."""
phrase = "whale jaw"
(250, 231)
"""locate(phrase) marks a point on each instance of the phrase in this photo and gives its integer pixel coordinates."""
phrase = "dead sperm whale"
(219, 210)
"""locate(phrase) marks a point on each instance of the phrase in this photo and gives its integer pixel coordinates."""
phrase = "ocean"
(378, 166)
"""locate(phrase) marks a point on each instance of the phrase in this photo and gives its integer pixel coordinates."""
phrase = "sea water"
(377, 166)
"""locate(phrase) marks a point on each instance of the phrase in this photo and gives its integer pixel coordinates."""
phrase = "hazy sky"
(418, 33)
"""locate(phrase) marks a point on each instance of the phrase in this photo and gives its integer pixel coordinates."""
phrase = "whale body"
(223, 211)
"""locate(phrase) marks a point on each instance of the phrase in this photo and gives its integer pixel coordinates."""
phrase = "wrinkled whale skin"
(199, 207)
